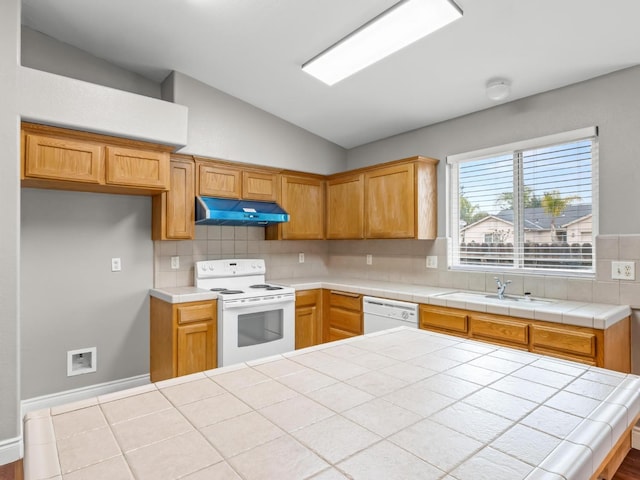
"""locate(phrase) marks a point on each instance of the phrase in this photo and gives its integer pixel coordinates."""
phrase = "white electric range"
(255, 319)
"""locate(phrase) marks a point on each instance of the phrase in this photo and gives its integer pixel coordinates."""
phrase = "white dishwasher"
(382, 313)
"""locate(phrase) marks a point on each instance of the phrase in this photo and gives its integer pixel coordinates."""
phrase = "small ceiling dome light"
(498, 89)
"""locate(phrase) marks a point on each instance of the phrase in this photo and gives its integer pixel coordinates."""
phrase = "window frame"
(513, 149)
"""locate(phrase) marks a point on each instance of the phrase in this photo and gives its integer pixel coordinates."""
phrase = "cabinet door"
(196, 348)
(181, 201)
(303, 199)
(173, 214)
(259, 186)
(345, 207)
(219, 182)
(308, 318)
(63, 159)
(306, 326)
(390, 202)
(138, 168)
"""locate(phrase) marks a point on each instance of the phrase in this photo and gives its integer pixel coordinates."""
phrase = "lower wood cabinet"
(308, 318)
(342, 315)
(609, 348)
(507, 331)
(447, 320)
(183, 338)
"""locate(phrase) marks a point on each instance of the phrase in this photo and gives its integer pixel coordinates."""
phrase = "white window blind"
(526, 206)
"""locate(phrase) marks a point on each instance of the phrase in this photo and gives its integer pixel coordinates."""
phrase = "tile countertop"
(582, 314)
(402, 403)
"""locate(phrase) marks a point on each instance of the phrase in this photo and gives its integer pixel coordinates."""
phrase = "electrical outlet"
(369, 259)
(175, 263)
(432, 261)
(116, 265)
(81, 361)
(301, 258)
(623, 270)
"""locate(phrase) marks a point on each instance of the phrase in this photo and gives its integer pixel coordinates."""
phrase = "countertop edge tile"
(595, 315)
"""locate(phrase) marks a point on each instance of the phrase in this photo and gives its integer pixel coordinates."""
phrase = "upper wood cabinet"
(302, 197)
(392, 200)
(62, 159)
(68, 159)
(261, 186)
(400, 199)
(215, 180)
(345, 206)
(173, 212)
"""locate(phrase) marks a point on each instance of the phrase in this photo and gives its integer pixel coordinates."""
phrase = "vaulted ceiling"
(253, 50)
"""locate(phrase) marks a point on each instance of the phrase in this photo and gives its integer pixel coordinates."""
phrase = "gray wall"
(45, 53)
(10, 230)
(224, 127)
(81, 302)
(611, 102)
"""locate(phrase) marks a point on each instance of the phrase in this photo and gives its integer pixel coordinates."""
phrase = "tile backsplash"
(218, 242)
(392, 260)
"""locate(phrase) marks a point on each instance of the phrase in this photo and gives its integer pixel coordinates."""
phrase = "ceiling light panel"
(394, 29)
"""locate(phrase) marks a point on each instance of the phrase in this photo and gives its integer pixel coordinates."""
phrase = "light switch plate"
(116, 265)
(175, 263)
(369, 259)
(623, 270)
(432, 261)
(301, 258)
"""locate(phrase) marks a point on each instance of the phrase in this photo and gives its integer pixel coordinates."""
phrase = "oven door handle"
(247, 303)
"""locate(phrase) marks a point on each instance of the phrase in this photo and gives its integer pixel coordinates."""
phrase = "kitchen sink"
(492, 298)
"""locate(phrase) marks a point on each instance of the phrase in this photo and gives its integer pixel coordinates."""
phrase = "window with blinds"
(526, 206)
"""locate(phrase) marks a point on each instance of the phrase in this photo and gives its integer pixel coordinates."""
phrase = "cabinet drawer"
(305, 298)
(196, 313)
(499, 329)
(345, 320)
(444, 319)
(349, 301)
(560, 340)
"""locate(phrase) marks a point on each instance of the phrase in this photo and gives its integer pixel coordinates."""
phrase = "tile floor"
(404, 404)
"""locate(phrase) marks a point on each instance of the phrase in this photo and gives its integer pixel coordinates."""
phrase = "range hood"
(232, 212)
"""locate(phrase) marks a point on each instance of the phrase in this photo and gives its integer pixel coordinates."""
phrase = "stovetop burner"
(226, 291)
(266, 287)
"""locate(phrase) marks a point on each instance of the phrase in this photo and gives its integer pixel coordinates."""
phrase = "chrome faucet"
(501, 287)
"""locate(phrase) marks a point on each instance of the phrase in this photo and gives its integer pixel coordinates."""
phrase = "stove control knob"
(405, 315)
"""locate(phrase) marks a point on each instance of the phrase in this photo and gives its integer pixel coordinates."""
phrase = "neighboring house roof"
(484, 219)
(538, 219)
(578, 220)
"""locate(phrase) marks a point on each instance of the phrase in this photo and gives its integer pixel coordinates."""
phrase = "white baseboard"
(69, 396)
(11, 450)
(635, 437)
